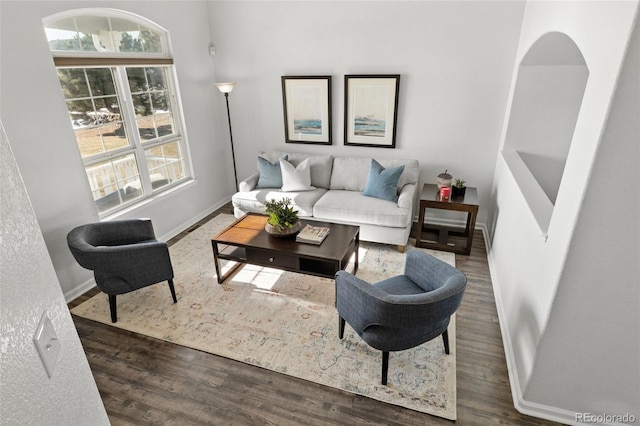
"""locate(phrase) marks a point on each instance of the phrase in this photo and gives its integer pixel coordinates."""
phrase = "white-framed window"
(119, 83)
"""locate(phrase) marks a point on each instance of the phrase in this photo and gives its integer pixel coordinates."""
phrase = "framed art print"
(307, 109)
(371, 110)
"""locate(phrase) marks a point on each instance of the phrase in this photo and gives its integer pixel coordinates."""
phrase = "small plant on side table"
(459, 189)
(283, 219)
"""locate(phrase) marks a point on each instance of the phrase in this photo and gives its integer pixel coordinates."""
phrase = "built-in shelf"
(547, 98)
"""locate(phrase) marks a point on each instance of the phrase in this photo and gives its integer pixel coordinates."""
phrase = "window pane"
(144, 117)
(101, 81)
(88, 43)
(73, 82)
(151, 101)
(114, 182)
(156, 78)
(165, 164)
(111, 125)
(96, 119)
(160, 102)
(81, 113)
(151, 41)
(145, 41)
(113, 135)
(83, 119)
(89, 141)
(146, 79)
(164, 124)
(137, 80)
(128, 35)
(107, 109)
(63, 39)
(130, 42)
(103, 34)
(76, 34)
(135, 37)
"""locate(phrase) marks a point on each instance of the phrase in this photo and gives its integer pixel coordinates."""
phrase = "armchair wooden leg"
(173, 291)
(401, 249)
(385, 366)
(340, 327)
(445, 339)
(112, 307)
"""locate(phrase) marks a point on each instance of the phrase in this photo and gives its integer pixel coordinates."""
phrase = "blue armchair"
(124, 256)
(404, 311)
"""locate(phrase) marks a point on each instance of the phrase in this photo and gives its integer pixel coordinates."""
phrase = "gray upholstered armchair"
(124, 256)
(403, 311)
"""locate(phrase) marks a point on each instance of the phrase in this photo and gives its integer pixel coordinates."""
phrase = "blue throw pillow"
(383, 183)
(270, 173)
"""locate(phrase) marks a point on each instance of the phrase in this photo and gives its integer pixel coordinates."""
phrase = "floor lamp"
(226, 88)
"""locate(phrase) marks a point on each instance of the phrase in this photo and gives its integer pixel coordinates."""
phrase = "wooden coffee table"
(246, 241)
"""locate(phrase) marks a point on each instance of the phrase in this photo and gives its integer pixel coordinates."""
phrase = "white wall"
(540, 289)
(455, 60)
(29, 288)
(34, 113)
(593, 332)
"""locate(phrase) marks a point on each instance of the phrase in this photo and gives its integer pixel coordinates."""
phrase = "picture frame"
(307, 109)
(371, 110)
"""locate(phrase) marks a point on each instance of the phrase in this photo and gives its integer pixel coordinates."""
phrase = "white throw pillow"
(296, 178)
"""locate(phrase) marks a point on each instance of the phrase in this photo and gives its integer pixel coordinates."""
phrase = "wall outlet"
(47, 343)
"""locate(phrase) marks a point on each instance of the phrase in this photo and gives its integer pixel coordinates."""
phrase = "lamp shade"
(225, 87)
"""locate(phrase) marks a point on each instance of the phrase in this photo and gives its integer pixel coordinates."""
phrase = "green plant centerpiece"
(283, 219)
(459, 188)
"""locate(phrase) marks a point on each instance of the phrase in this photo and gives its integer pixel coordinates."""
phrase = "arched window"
(118, 79)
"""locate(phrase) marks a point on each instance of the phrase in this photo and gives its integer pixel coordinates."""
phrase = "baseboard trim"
(522, 405)
(79, 290)
(189, 222)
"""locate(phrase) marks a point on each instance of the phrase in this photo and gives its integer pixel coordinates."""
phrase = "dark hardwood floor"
(147, 381)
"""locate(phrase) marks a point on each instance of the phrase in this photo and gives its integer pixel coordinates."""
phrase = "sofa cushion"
(295, 178)
(320, 165)
(270, 173)
(254, 201)
(351, 173)
(383, 183)
(354, 207)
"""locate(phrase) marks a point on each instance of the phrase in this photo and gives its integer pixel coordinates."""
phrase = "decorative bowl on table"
(282, 232)
(283, 219)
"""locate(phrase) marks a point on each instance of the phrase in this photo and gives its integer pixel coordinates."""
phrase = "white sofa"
(337, 197)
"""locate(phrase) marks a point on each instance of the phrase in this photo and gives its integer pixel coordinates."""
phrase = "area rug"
(285, 322)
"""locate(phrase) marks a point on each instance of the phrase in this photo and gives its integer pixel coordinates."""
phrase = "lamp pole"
(226, 88)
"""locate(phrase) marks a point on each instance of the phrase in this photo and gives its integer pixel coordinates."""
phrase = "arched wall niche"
(548, 94)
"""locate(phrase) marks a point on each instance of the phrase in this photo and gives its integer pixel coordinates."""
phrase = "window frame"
(137, 146)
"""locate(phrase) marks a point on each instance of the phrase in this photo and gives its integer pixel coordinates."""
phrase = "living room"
(459, 62)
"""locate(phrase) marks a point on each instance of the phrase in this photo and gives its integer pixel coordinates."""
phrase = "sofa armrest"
(249, 184)
(407, 196)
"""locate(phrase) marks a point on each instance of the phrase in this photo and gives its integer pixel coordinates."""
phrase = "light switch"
(47, 343)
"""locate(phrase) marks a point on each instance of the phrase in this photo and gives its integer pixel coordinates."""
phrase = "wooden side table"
(430, 199)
